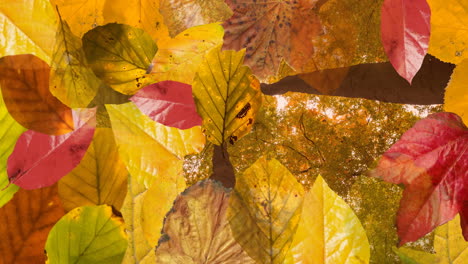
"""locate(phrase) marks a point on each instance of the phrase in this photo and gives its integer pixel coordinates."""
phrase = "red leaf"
(169, 103)
(405, 27)
(40, 160)
(431, 160)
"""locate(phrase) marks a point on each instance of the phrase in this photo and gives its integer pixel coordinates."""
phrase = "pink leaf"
(40, 160)
(169, 103)
(431, 160)
(405, 27)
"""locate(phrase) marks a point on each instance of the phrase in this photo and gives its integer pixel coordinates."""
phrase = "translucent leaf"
(100, 178)
(24, 80)
(196, 230)
(456, 93)
(26, 221)
(329, 231)
(265, 209)
(88, 234)
(178, 58)
(27, 27)
(227, 96)
(71, 79)
(120, 55)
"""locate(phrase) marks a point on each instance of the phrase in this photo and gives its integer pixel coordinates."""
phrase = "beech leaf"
(88, 234)
(196, 230)
(456, 92)
(405, 34)
(431, 160)
(24, 80)
(265, 209)
(40, 160)
(169, 103)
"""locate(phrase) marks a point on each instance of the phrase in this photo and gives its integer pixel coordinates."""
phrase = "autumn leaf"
(329, 231)
(120, 55)
(10, 130)
(28, 27)
(449, 246)
(265, 209)
(26, 221)
(430, 159)
(148, 148)
(405, 34)
(449, 24)
(24, 80)
(180, 15)
(178, 58)
(456, 93)
(196, 230)
(227, 96)
(40, 160)
(71, 79)
(88, 234)
(100, 178)
(169, 103)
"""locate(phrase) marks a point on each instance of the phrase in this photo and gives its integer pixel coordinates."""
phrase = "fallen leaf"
(329, 231)
(88, 234)
(28, 27)
(456, 92)
(227, 96)
(431, 160)
(196, 230)
(405, 34)
(120, 55)
(180, 15)
(265, 209)
(40, 160)
(26, 221)
(100, 178)
(169, 103)
(24, 80)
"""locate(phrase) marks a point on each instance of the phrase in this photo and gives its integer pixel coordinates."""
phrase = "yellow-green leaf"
(100, 178)
(197, 231)
(178, 58)
(449, 27)
(180, 15)
(449, 245)
(265, 209)
(120, 55)
(71, 79)
(329, 231)
(88, 234)
(456, 93)
(28, 27)
(148, 148)
(227, 95)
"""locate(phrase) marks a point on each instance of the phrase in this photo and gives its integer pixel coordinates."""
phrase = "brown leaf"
(26, 222)
(24, 80)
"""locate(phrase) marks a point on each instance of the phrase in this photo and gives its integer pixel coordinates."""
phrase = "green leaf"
(10, 130)
(120, 55)
(265, 209)
(88, 234)
(71, 79)
(227, 95)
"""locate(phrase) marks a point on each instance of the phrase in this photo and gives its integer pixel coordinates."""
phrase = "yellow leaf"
(84, 15)
(197, 231)
(178, 58)
(329, 231)
(100, 178)
(148, 148)
(449, 27)
(265, 209)
(456, 93)
(28, 27)
(227, 95)
(449, 245)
